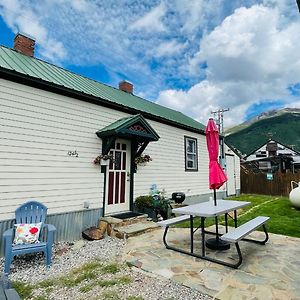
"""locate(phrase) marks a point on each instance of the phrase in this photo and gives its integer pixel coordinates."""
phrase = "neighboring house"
(273, 156)
(53, 125)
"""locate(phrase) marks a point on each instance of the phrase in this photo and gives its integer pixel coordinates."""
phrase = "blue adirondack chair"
(29, 212)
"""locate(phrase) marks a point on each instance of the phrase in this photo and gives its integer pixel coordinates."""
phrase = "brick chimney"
(24, 44)
(126, 86)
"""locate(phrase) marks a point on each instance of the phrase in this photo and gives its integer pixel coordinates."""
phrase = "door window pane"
(118, 160)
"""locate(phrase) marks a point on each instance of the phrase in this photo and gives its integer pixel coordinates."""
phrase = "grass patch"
(124, 280)
(73, 281)
(88, 267)
(283, 217)
(86, 288)
(85, 278)
(110, 269)
(111, 295)
(40, 298)
(116, 281)
(135, 298)
(24, 290)
(47, 283)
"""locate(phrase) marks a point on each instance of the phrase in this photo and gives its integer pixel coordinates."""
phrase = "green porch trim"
(133, 127)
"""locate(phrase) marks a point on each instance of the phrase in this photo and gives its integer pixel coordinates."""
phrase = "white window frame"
(195, 154)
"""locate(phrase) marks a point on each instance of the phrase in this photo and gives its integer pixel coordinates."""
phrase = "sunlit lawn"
(284, 219)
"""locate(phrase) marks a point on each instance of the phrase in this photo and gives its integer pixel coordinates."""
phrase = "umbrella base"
(217, 244)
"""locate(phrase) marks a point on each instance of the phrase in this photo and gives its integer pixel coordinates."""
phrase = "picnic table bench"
(240, 232)
(173, 221)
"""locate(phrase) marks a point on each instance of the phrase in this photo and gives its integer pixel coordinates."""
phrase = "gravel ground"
(68, 256)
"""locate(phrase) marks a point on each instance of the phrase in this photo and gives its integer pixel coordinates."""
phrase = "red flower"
(33, 230)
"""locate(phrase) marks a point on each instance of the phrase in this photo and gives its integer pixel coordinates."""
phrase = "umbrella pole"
(215, 197)
(216, 243)
(216, 218)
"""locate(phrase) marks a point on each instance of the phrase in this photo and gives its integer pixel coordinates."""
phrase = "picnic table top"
(208, 209)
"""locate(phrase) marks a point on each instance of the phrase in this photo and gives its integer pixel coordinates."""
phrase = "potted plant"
(152, 205)
(144, 204)
(103, 159)
(161, 205)
(142, 160)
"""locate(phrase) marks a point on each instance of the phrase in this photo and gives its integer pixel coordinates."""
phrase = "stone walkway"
(271, 271)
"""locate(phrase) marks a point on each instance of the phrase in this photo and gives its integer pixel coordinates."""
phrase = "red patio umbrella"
(217, 176)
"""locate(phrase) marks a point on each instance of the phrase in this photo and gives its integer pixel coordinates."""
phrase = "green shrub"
(142, 202)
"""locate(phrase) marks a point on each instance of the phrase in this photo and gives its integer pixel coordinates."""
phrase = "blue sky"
(191, 55)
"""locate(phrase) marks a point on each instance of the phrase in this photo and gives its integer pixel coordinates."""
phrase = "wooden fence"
(257, 183)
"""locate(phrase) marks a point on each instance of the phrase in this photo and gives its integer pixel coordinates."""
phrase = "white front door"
(117, 182)
(230, 171)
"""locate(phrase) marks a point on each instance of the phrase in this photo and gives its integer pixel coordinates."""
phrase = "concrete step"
(125, 228)
(136, 228)
(124, 222)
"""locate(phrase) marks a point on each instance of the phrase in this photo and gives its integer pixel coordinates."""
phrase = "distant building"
(272, 157)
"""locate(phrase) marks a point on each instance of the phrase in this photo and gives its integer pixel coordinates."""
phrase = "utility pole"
(218, 116)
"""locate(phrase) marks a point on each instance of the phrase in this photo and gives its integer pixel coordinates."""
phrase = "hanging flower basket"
(142, 160)
(104, 159)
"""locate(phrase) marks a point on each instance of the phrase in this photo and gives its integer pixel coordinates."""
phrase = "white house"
(273, 156)
(54, 123)
(269, 149)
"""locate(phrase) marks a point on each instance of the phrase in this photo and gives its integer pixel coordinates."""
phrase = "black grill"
(178, 197)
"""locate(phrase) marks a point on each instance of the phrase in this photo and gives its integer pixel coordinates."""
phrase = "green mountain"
(282, 127)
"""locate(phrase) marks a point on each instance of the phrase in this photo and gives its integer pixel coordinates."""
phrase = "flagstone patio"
(271, 271)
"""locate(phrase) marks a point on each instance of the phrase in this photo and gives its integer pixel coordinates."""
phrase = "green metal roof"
(34, 68)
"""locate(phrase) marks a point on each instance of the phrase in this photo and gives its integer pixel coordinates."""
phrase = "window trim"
(185, 153)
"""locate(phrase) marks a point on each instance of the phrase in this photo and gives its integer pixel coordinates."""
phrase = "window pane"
(191, 161)
(190, 164)
(191, 146)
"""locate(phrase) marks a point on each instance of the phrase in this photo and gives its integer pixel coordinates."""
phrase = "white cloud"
(168, 48)
(250, 58)
(151, 21)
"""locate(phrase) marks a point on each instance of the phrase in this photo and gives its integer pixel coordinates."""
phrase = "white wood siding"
(167, 169)
(38, 128)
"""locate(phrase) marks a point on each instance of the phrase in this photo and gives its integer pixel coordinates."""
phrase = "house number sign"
(73, 153)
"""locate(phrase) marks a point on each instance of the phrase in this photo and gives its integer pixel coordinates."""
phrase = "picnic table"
(207, 209)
